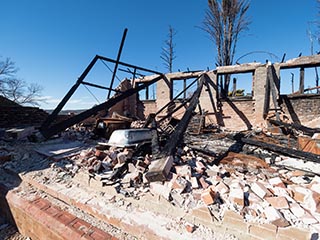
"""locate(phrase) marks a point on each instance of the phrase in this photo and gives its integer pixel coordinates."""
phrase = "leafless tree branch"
(16, 89)
(168, 53)
(224, 21)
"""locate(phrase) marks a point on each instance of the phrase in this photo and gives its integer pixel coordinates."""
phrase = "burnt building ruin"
(183, 160)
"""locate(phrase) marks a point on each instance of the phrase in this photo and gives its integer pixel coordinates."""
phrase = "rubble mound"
(13, 114)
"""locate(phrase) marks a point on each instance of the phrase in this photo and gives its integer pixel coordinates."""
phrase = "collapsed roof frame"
(48, 129)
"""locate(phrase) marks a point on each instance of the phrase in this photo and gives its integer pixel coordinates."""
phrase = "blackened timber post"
(184, 88)
(183, 124)
(234, 87)
(176, 97)
(117, 61)
(147, 93)
(301, 85)
(134, 76)
(63, 102)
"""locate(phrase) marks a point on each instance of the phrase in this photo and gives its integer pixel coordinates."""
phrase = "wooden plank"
(241, 68)
(283, 150)
(305, 61)
(306, 130)
(159, 169)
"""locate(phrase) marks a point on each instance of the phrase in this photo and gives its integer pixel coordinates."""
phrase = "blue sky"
(52, 42)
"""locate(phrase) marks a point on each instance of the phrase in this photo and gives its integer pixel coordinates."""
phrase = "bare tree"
(224, 21)
(16, 89)
(168, 54)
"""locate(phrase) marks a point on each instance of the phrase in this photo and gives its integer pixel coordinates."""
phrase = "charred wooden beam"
(205, 151)
(131, 66)
(50, 131)
(101, 87)
(242, 68)
(63, 102)
(283, 150)
(50, 119)
(305, 61)
(312, 88)
(117, 61)
(162, 163)
(176, 97)
(183, 124)
(301, 84)
(134, 73)
(290, 108)
(149, 120)
(183, 104)
(184, 87)
(306, 130)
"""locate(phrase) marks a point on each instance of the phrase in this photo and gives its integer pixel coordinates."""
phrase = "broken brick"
(293, 233)
(194, 182)
(184, 170)
(222, 188)
(276, 182)
(208, 196)
(190, 227)
(235, 220)
(100, 154)
(157, 188)
(212, 171)
(179, 183)
(275, 217)
(141, 166)
(297, 210)
(204, 183)
(312, 202)
(260, 189)
(278, 202)
(177, 199)
(236, 196)
(299, 193)
(315, 184)
(254, 199)
(307, 218)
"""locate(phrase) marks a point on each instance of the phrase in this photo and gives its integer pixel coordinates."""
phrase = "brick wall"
(150, 106)
(238, 114)
(305, 107)
(244, 114)
(40, 219)
(128, 106)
